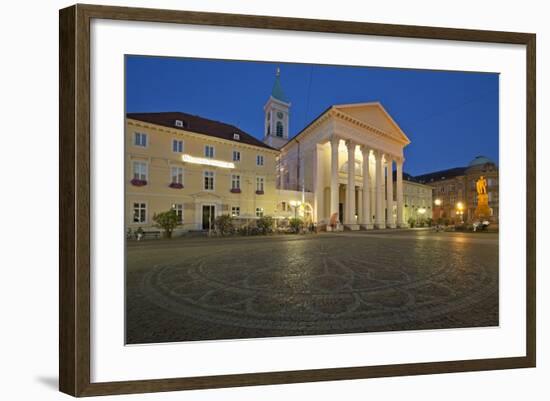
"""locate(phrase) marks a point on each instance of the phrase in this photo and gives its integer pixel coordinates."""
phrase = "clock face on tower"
(279, 114)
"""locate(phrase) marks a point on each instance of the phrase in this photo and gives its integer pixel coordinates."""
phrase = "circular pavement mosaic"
(322, 285)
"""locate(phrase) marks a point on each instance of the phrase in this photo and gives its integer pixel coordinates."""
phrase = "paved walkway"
(242, 287)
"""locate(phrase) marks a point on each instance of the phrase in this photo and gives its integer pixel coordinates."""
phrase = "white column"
(334, 181)
(351, 222)
(389, 189)
(365, 206)
(379, 191)
(399, 192)
(359, 205)
(319, 187)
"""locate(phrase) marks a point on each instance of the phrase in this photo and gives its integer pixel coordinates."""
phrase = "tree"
(411, 221)
(224, 224)
(167, 221)
(265, 224)
(296, 224)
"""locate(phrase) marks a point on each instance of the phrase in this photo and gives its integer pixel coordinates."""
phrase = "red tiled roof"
(199, 125)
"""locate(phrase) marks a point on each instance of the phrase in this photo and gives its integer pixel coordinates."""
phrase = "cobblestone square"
(246, 287)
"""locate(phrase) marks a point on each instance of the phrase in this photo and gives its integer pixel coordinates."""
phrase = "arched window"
(279, 131)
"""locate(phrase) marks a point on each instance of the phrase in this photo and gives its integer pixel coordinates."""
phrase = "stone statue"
(481, 186)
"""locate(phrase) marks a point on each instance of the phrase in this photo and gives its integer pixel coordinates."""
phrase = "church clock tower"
(276, 115)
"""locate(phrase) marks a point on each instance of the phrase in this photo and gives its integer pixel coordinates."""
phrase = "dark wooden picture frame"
(74, 204)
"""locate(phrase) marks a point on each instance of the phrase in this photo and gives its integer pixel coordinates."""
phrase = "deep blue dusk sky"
(450, 117)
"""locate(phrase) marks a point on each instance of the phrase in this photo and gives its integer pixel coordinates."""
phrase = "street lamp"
(295, 205)
(437, 210)
(460, 211)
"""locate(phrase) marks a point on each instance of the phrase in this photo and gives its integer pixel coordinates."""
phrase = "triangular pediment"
(373, 114)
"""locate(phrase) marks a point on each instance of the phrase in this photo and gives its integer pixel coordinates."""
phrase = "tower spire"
(277, 91)
(276, 115)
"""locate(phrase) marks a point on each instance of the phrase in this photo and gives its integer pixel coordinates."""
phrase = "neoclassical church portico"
(343, 160)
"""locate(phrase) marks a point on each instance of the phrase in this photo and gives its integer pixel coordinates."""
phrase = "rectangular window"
(259, 183)
(235, 211)
(178, 208)
(259, 160)
(209, 180)
(140, 139)
(140, 171)
(235, 181)
(259, 212)
(209, 151)
(177, 146)
(236, 156)
(177, 175)
(140, 212)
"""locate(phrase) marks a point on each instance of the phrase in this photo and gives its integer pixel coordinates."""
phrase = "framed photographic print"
(250, 200)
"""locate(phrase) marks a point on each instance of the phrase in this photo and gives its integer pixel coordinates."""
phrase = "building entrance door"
(208, 215)
(341, 212)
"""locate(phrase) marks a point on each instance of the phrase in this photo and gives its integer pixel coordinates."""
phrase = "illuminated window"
(235, 211)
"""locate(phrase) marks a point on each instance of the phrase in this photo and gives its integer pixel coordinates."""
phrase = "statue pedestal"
(482, 210)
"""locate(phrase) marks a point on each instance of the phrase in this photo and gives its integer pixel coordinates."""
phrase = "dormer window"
(180, 123)
(236, 137)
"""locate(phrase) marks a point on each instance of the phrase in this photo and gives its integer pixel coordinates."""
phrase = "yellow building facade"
(170, 164)
(417, 199)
